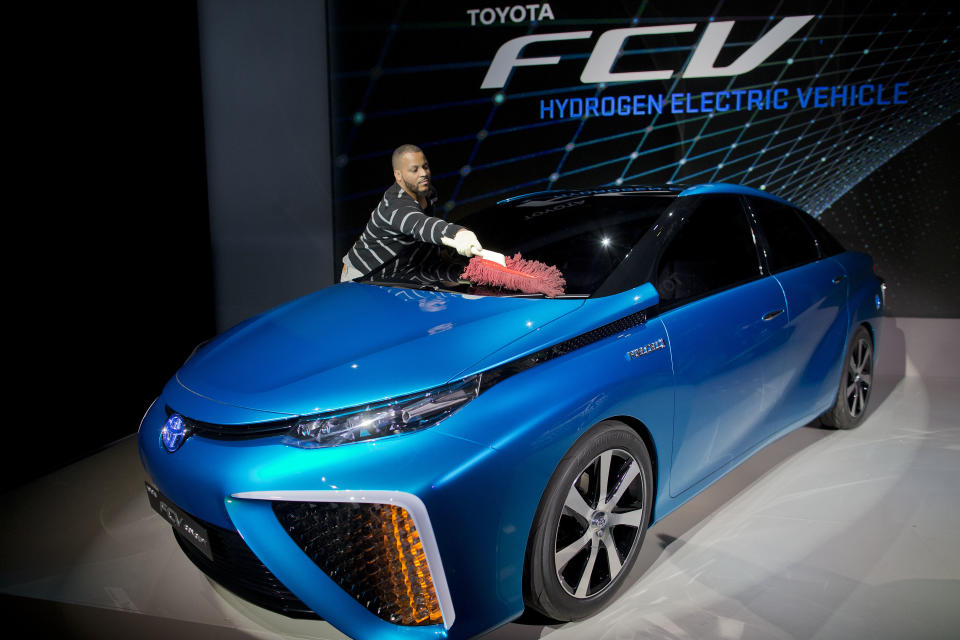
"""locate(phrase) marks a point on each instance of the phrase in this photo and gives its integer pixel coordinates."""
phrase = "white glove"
(465, 242)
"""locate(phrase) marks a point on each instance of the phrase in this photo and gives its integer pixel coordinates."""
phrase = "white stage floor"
(823, 534)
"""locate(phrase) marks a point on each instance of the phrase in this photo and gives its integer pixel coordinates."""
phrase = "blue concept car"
(411, 456)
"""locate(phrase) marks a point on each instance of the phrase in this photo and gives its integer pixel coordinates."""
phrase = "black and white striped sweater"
(394, 225)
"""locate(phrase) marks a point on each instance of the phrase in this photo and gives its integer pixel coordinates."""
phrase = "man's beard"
(414, 187)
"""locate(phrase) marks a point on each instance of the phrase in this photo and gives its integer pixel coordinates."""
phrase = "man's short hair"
(402, 150)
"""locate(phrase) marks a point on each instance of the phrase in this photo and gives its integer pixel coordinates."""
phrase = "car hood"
(352, 343)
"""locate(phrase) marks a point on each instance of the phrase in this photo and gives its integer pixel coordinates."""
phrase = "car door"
(804, 378)
(722, 317)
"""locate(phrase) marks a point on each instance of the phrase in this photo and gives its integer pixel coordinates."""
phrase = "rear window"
(829, 246)
(789, 242)
(713, 251)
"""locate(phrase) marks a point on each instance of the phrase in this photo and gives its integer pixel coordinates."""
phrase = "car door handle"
(772, 315)
(838, 279)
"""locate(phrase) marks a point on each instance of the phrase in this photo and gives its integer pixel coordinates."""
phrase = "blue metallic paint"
(863, 286)
(286, 361)
(816, 333)
(721, 403)
(722, 187)
(481, 473)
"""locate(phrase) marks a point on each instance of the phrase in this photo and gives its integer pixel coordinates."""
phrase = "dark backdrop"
(905, 214)
(110, 286)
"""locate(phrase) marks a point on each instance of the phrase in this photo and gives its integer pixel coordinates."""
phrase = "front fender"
(533, 418)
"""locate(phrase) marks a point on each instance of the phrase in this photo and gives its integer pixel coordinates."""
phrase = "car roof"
(563, 194)
(679, 191)
(723, 187)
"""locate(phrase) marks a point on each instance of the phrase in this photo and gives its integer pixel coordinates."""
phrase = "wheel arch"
(869, 327)
(644, 433)
(867, 324)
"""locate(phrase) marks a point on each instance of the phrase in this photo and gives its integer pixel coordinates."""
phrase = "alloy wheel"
(859, 377)
(601, 521)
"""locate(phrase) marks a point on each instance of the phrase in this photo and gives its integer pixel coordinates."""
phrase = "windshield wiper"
(562, 296)
(422, 286)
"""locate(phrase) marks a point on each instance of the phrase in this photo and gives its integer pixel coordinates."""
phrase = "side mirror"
(610, 308)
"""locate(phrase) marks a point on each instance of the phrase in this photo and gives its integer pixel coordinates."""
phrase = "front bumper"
(234, 485)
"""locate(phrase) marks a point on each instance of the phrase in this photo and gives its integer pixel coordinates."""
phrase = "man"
(401, 219)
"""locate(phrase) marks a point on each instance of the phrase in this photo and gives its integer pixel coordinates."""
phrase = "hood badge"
(174, 432)
(645, 349)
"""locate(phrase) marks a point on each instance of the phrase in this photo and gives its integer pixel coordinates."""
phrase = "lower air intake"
(236, 567)
(373, 551)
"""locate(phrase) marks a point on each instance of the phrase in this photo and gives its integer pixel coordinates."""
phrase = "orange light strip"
(414, 591)
(398, 546)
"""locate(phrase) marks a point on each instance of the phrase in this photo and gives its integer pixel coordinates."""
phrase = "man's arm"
(401, 214)
(410, 221)
(407, 218)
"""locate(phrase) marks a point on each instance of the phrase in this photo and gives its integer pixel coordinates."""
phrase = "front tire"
(850, 405)
(590, 523)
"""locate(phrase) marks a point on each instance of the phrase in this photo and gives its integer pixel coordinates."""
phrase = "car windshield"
(584, 234)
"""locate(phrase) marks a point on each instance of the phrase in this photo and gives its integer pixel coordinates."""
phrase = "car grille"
(373, 551)
(235, 567)
(235, 431)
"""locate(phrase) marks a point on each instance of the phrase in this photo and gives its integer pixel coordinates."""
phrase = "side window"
(828, 244)
(714, 250)
(789, 242)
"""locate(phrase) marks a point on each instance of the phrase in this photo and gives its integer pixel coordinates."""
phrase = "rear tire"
(590, 523)
(850, 405)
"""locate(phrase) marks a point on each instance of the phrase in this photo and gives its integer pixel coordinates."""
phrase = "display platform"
(823, 534)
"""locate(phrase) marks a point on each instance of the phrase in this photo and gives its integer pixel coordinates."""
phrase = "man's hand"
(465, 243)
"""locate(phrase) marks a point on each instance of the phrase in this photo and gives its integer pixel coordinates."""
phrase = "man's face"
(414, 173)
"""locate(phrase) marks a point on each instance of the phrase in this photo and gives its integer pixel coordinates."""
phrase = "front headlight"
(388, 418)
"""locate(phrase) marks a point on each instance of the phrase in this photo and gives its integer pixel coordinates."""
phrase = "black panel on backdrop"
(266, 109)
(841, 88)
(905, 214)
